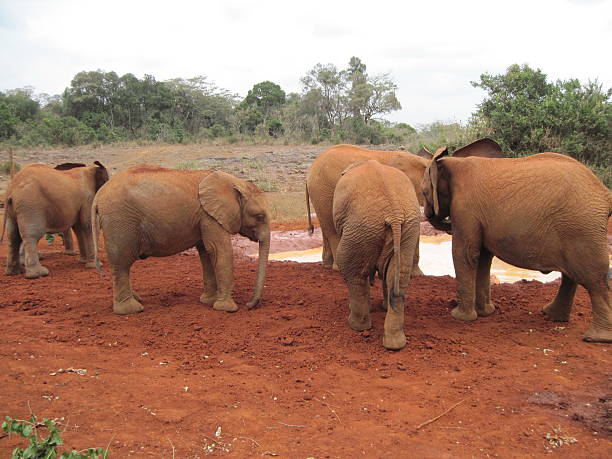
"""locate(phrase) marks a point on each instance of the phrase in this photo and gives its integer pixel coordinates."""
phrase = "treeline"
(335, 104)
(522, 110)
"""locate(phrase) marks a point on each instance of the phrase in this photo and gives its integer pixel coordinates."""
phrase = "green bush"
(5, 167)
(45, 448)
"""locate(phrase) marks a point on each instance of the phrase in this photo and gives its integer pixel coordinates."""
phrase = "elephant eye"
(260, 217)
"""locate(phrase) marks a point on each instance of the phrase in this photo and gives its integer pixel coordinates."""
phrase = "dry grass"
(287, 205)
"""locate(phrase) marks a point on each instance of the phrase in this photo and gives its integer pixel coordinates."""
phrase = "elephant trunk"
(264, 251)
(441, 224)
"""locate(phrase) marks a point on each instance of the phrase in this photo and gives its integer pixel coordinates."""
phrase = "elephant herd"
(546, 212)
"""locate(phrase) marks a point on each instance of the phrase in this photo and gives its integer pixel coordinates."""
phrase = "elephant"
(325, 172)
(40, 200)
(377, 217)
(148, 210)
(545, 212)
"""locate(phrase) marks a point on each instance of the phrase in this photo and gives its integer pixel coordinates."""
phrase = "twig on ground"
(247, 438)
(438, 416)
(329, 408)
(291, 425)
(172, 446)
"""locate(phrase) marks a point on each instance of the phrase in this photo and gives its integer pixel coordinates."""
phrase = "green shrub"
(5, 167)
(45, 448)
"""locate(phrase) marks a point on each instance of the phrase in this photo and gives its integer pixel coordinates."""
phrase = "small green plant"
(5, 167)
(254, 164)
(45, 448)
(187, 166)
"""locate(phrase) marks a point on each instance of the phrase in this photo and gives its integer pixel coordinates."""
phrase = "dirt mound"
(291, 378)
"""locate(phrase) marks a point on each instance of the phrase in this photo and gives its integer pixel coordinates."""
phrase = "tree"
(266, 97)
(526, 114)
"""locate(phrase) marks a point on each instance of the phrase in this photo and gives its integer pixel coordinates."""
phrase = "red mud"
(290, 378)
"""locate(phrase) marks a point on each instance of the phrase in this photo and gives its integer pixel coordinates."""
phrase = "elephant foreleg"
(13, 265)
(416, 271)
(68, 243)
(558, 310)
(124, 298)
(219, 252)
(484, 306)
(85, 240)
(465, 260)
(208, 274)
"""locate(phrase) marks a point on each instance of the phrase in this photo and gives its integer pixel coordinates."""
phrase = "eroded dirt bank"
(290, 378)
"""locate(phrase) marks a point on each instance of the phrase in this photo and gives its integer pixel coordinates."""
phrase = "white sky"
(431, 48)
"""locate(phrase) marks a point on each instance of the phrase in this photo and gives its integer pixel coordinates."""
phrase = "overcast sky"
(432, 49)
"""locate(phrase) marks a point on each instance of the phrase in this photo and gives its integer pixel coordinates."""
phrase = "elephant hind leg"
(68, 243)
(601, 325)
(353, 267)
(31, 232)
(558, 310)
(13, 265)
(125, 301)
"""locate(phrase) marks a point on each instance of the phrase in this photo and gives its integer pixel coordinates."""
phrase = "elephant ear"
(220, 196)
(425, 153)
(434, 175)
(68, 166)
(101, 175)
(484, 148)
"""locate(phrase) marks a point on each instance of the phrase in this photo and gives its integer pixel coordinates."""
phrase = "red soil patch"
(290, 377)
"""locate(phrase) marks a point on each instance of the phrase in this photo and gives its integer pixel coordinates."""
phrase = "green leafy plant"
(44, 448)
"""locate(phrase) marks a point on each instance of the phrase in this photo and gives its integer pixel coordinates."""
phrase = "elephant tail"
(95, 229)
(7, 203)
(396, 230)
(310, 227)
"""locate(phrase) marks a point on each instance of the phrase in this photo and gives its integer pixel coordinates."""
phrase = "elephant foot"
(82, 260)
(486, 310)
(71, 252)
(208, 298)
(13, 270)
(227, 305)
(394, 341)
(359, 323)
(463, 315)
(37, 271)
(91, 265)
(597, 334)
(128, 306)
(136, 296)
(553, 311)
(335, 267)
(416, 272)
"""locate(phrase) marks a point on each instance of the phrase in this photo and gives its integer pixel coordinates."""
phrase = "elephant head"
(435, 184)
(100, 174)
(239, 207)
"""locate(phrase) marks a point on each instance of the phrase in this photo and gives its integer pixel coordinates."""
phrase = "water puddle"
(435, 260)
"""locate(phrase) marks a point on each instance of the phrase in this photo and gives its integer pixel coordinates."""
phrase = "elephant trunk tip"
(254, 302)
(310, 230)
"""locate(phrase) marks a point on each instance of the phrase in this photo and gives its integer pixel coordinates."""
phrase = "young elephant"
(545, 212)
(376, 213)
(152, 211)
(42, 200)
(324, 173)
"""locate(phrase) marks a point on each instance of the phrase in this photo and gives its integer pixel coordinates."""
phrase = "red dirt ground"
(290, 378)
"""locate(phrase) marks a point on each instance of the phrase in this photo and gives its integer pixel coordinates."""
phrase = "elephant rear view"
(152, 211)
(376, 214)
(324, 173)
(42, 200)
(545, 212)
